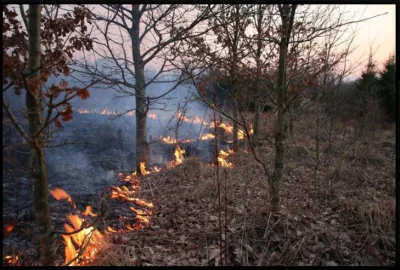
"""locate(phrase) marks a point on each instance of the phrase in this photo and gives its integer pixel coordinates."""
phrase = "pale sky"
(380, 32)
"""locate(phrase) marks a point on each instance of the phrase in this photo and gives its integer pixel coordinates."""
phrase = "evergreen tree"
(387, 88)
(366, 86)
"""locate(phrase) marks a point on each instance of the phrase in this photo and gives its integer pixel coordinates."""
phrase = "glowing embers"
(81, 240)
(7, 229)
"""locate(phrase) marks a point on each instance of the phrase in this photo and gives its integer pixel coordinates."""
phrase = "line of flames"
(107, 111)
(196, 120)
(89, 240)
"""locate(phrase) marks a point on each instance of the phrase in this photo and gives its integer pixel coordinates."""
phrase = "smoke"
(100, 146)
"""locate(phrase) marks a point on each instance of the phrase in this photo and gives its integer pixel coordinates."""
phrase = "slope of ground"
(349, 219)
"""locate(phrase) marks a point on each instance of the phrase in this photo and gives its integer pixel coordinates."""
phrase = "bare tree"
(26, 66)
(154, 33)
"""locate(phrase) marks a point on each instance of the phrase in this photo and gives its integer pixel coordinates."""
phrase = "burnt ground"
(342, 213)
(86, 169)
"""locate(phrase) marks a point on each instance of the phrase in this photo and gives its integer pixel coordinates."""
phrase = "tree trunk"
(287, 16)
(256, 124)
(258, 107)
(142, 146)
(233, 74)
(235, 128)
(37, 163)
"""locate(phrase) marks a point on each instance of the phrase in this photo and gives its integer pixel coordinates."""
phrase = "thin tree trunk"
(235, 128)
(287, 16)
(233, 74)
(256, 124)
(291, 124)
(38, 164)
(258, 109)
(142, 146)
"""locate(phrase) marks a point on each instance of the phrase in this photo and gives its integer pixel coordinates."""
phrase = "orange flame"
(105, 111)
(152, 115)
(111, 229)
(83, 110)
(182, 117)
(240, 134)
(168, 140)
(81, 239)
(89, 211)
(11, 260)
(179, 155)
(7, 229)
(60, 194)
(197, 120)
(207, 136)
(143, 168)
(222, 159)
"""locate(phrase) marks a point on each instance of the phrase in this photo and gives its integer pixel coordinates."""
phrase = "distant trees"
(283, 57)
(366, 86)
(377, 86)
(32, 52)
(387, 88)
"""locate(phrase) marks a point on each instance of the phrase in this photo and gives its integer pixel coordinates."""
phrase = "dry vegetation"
(348, 220)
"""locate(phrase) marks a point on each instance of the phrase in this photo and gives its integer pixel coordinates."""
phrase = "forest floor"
(341, 213)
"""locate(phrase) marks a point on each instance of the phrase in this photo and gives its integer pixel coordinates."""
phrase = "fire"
(84, 239)
(197, 120)
(89, 211)
(207, 136)
(128, 194)
(83, 110)
(168, 140)
(240, 134)
(228, 128)
(143, 168)
(222, 155)
(60, 194)
(152, 115)
(108, 112)
(182, 117)
(179, 155)
(251, 129)
(105, 111)
(7, 229)
(11, 260)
